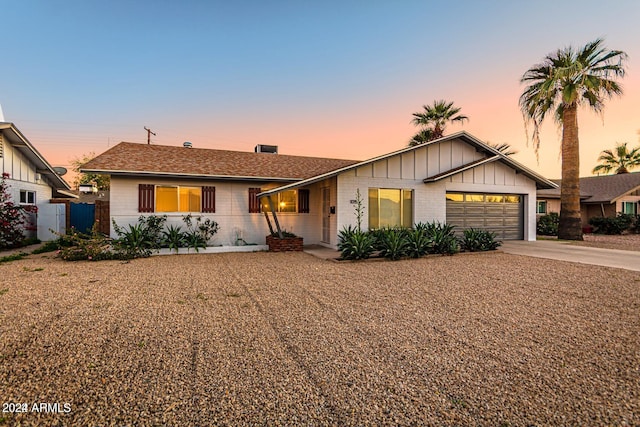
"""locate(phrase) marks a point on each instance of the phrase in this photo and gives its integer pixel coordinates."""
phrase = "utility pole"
(149, 133)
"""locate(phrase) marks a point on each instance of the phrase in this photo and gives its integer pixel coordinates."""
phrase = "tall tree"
(424, 135)
(102, 182)
(504, 148)
(564, 81)
(434, 119)
(620, 159)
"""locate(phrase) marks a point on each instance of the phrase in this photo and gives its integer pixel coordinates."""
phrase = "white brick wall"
(232, 210)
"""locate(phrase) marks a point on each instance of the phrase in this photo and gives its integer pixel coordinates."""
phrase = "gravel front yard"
(627, 242)
(288, 339)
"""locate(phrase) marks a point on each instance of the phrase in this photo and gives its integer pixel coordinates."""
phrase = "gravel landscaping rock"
(288, 339)
(627, 242)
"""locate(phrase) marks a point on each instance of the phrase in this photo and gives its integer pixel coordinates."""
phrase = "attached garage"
(502, 214)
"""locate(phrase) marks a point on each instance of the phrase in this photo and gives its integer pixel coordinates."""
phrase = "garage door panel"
(474, 222)
(495, 222)
(499, 215)
(474, 210)
(494, 210)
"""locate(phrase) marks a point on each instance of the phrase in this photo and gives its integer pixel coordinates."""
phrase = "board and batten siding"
(16, 164)
(409, 169)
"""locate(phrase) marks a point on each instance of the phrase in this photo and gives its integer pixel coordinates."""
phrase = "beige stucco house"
(600, 196)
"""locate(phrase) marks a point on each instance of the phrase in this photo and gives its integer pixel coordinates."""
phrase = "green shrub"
(50, 246)
(393, 243)
(78, 246)
(12, 217)
(141, 239)
(285, 234)
(612, 225)
(355, 244)
(443, 237)
(199, 234)
(547, 225)
(418, 243)
(173, 238)
(13, 257)
(476, 240)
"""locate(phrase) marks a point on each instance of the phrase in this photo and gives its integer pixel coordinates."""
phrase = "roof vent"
(273, 149)
(187, 144)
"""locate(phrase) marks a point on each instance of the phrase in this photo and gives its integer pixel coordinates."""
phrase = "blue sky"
(334, 79)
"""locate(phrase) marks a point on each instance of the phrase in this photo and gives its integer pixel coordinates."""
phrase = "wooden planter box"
(284, 245)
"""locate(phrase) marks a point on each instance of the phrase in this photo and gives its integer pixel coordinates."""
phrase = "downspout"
(602, 209)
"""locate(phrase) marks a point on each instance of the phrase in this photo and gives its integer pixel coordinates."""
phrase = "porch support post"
(266, 215)
(275, 217)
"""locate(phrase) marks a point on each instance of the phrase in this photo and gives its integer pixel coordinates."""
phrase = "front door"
(326, 215)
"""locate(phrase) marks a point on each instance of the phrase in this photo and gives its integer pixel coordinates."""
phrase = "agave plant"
(418, 243)
(476, 240)
(174, 238)
(355, 244)
(393, 243)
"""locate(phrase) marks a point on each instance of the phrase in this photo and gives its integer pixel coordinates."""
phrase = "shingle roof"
(131, 158)
(601, 189)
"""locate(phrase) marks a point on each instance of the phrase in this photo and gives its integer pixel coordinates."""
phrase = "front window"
(27, 197)
(286, 201)
(390, 207)
(178, 199)
(630, 208)
(541, 207)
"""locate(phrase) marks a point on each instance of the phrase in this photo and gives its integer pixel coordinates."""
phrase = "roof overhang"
(156, 174)
(460, 169)
(615, 199)
(541, 182)
(22, 144)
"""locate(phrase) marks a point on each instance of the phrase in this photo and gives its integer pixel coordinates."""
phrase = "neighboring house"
(602, 196)
(456, 179)
(32, 181)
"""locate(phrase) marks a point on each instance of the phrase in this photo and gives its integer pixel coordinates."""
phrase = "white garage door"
(501, 213)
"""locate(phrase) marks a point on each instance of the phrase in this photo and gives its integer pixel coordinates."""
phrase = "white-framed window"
(27, 197)
(175, 198)
(541, 207)
(630, 208)
(390, 207)
(286, 201)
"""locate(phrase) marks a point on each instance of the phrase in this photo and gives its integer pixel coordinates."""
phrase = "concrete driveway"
(565, 251)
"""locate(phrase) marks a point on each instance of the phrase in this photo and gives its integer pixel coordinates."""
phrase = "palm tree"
(620, 159)
(425, 135)
(564, 81)
(435, 117)
(504, 148)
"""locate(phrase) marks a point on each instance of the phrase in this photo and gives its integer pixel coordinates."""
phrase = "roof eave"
(615, 199)
(157, 174)
(541, 182)
(34, 155)
(460, 169)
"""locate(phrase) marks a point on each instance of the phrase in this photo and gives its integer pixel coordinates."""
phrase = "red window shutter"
(145, 197)
(254, 203)
(209, 199)
(303, 201)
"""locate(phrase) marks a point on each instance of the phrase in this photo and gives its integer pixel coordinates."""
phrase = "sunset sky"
(326, 78)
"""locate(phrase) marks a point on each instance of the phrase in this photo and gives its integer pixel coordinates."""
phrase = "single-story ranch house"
(600, 196)
(455, 179)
